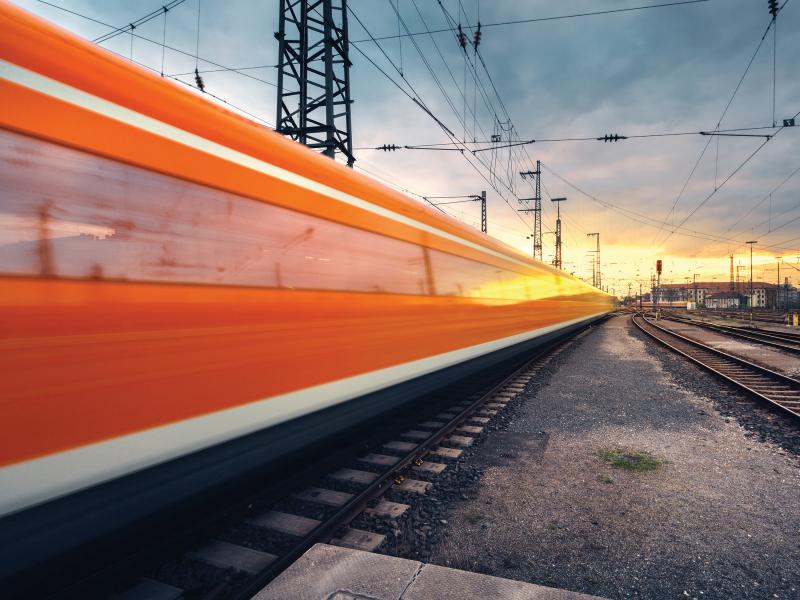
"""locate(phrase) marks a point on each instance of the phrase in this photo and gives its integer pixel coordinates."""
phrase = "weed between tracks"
(630, 460)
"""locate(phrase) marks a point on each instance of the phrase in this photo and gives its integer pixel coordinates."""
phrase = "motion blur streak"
(165, 266)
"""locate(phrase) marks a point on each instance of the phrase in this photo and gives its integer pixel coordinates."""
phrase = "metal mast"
(731, 273)
(557, 259)
(536, 210)
(750, 303)
(313, 105)
(537, 215)
(484, 227)
(596, 282)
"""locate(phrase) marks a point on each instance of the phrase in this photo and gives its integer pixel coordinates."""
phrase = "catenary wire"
(541, 19)
(719, 122)
(137, 22)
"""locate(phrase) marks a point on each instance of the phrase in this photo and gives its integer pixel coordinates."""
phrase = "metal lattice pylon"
(537, 208)
(314, 75)
(537, 215)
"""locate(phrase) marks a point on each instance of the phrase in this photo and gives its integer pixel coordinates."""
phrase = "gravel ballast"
(557, 494)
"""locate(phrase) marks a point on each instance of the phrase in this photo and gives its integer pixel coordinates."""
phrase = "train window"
(67, 213)
(459, 277)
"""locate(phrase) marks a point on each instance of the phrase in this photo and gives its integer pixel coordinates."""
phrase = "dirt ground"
(717, 516)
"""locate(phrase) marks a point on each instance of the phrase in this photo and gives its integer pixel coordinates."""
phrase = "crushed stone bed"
(624, 472)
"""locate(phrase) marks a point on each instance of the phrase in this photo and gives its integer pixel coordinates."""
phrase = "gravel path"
(538, 500)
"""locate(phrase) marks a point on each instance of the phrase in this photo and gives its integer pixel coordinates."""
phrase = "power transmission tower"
(596, 282)
(652, 290)
(731, 272)
(536, 210)
(750, 302)
(314, 75)
(557, 259)
(739, 279)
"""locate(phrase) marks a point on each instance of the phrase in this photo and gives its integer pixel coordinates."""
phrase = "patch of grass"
(475, 518)
(630, 460)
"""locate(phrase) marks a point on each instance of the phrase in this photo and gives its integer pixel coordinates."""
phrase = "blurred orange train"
(185, 295)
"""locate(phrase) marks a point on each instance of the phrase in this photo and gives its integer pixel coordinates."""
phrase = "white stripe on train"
(35, 481)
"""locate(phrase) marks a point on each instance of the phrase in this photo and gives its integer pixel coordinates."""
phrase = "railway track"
(319, 507)
(778, 391)
(787, 341)
(765, 317)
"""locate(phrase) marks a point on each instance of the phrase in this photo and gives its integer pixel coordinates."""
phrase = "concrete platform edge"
(326, 572)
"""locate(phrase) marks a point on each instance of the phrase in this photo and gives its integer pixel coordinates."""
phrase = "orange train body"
(173, 276)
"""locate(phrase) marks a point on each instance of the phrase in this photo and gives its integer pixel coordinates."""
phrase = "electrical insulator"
(611, 138)
(389, 147)
(773, 7)
(462, 38)
(477, 37)
(199, 81)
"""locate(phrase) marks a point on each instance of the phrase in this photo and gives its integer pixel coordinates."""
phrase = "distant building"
(724, 300)
(788, 296)
(765, 295)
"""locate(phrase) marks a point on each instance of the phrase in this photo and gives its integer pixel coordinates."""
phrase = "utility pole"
(652, 290)
(557, 260)
(596, 281)
(731, 272)
(537, 208)
(640, 295)
(750, 302)
(778, 289)
(739, 286)
(739, 279)
(313, 103)
(484, 224)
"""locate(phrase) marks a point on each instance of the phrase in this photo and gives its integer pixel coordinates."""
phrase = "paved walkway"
(718, 518)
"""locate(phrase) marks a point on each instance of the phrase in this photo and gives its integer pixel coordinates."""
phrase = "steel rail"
(776, 340)
(177, 543)
(756, 380)
(774, 318)
(325, 531)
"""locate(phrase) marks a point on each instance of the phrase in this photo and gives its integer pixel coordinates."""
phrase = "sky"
(660, 70)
